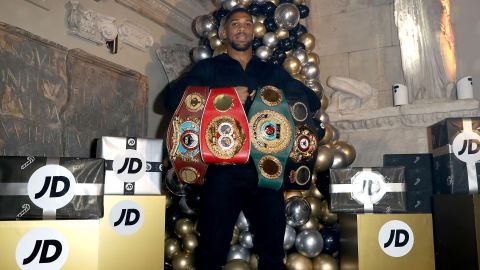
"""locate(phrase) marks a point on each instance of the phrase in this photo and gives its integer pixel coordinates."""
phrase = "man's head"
(237, 30)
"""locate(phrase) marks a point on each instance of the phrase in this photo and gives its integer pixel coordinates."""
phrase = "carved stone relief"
(175, 59)
(134, 35)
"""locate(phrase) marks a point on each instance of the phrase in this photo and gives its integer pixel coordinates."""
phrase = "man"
(229, 189)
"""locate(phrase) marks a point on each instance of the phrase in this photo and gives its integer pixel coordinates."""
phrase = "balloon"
(256, 43)
(219, 14)
(263, 52)
(235, 236)
(289, 238)
(204, 24)
(340, 160)
(183, 227)
(190, 242)
(313, 58)
(254, 261)
(328, 134)
(309, 243)
(182, 204)
(291, 193)
(285, 44)
(237, 252)
(213, 33)
(323, 184)
(324, 102)
(260, 1)
(183, 261)
(331, 242)
(292, 65)
(270, 39)
(301, 55)
(269, 9)
(308, 40)
(314, 205)
(299, 30)
(215, 42)
(237, 265)
(193, 197)
(172, 215)
(316, 86)
(323, 116)
(287, 16)
(324, 159)
(200, 53)
(320, 128)
(254, 9)
(244, 3)
(219, 50)
(172, 246)
(246, 239)
(259, 30)
(327, 217)
(276, 2)
(325, 262)
(242, 222)
(313, 191)
(259, 18)
(297, 211)
(296, 261)
(310, 71)
(303, 10)
(335, 133)
(312, 224)
(230, 4)
(270, 24)
(299, 2)
(281, 33)
(299, 77)
(347, 149)
(279, 55)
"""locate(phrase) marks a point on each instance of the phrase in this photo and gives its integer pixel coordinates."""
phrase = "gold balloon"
(299, 77)
(236, 264)
(219, 50)
(324, 102)
(292, 193)
(281, 33)
(328, 135)
(166, 235)
(275, 1)
(215, 42)
(212, 33)
(312, 224)
(289, 53)
(261, 18)
(190, 242)
(292, 65)
(348, 150)
(324, 159)
(259, 30)
(235, 236)
(296, 261)
(183, 227)
(323, 116)
(313, 58)
(254, 261)
(244, 3)
(172, 246)
(325, 262)
(335, 134)
(313, 190)
(308, 40)
(299, 2)
(320, 226)
(183, 261)
(315, 204)
(326, 216)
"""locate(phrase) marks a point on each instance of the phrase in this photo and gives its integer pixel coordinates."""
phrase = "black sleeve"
(199, 75)
(295, 89)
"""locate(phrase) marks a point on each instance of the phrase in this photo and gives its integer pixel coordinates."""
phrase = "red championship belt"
(183, 142)
(224, 133)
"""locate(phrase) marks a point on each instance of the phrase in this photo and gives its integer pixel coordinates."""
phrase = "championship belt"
(224, 137)
(272, 131)
(301, 161)
(183, 142)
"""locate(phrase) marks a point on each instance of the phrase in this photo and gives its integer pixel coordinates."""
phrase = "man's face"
(239, 31)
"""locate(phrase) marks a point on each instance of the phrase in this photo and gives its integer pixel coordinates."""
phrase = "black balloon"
(219, 14)
(280, 55)
(320, 128)
(269, 9)
(255, 9)
(303, 10)
(285, 44)
(299, 45)
(323, 183)
(285, 1)
(330, 240)
(270, 24)
(172, 215)
(193, 198)
(256, 42)
(298, 30)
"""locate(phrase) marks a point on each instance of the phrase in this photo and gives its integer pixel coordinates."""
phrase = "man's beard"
(241, 47)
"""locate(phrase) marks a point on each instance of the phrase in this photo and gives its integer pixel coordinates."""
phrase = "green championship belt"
(271, 134)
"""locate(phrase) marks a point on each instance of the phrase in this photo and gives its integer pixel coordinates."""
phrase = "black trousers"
(227, 191)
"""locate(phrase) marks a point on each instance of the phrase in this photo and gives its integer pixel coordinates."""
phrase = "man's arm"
(199, 75)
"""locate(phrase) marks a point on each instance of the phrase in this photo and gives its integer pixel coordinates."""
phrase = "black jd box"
(51, 188)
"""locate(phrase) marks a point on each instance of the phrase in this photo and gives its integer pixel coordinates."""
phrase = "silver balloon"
(287, 16)
(237, 252)
(340, 160)
(173, 184)
(310, 71)
(246, 239)
(301, 55)
(230, 4)
(316, 86)
(263, 52)
(270, 39)
(289, 238)
(200, 53)
(297, 211)
(204, 24)
(184, 207)
(309, 243)
(242, 222)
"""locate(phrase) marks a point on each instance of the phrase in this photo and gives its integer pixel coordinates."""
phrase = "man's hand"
(243, 94)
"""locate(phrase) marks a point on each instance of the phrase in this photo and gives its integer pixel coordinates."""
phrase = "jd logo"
(129, 167)
(126, 217)
(369, 187)
(42, 249)
(396, 238)
(51, 187)
(466, 146)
